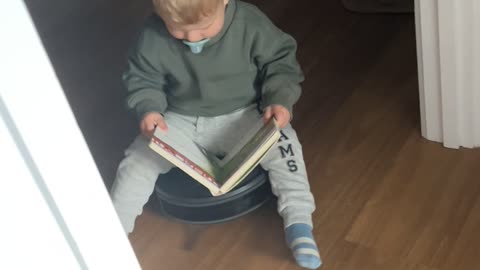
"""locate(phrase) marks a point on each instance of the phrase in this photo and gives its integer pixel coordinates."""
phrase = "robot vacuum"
(179, 197)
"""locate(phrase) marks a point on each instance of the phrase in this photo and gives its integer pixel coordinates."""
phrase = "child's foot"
(300, 240)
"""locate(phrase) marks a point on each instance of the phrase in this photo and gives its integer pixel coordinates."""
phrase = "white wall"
(56, 212)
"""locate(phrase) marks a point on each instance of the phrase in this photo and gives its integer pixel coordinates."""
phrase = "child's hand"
(150, 121)
(279, 112)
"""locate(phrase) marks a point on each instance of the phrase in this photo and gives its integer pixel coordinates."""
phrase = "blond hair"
(186, 11)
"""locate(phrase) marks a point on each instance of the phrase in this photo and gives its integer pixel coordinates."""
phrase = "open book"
(218, 175)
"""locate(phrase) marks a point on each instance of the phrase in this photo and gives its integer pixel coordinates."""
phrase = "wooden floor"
(386, 198)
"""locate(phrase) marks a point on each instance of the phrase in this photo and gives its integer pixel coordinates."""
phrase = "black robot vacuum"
(180, 197)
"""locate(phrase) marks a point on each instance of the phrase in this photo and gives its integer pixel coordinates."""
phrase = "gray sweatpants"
(139, 170)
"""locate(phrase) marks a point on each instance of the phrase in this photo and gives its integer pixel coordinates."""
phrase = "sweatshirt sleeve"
(144, 80)
(275, 56)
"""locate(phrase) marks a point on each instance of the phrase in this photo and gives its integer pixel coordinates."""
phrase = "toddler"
(212, 68)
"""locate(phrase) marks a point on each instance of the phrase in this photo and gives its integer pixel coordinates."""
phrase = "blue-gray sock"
(300, 240)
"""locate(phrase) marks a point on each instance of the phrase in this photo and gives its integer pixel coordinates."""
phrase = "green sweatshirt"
(249, 61)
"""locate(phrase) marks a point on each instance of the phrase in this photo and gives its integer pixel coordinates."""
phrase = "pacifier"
(196, 47)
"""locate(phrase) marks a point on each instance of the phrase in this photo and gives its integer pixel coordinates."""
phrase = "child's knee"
(140, 157)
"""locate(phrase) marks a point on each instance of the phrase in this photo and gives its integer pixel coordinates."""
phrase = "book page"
(254, 143)
(232, 182)
(188, 148)
(241, 144)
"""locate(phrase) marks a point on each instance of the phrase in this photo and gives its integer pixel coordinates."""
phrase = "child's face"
(208, 27)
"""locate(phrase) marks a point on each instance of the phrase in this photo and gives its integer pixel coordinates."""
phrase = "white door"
(56, 212)
(448, 49)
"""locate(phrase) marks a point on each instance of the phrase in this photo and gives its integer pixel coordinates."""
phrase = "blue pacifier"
(196, 47)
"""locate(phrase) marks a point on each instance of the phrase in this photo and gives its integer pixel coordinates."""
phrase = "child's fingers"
(144, 129)
(282, 116)
(161, 124)
(150, 121)
(147, 126)
(267, 114)
(151, 126)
